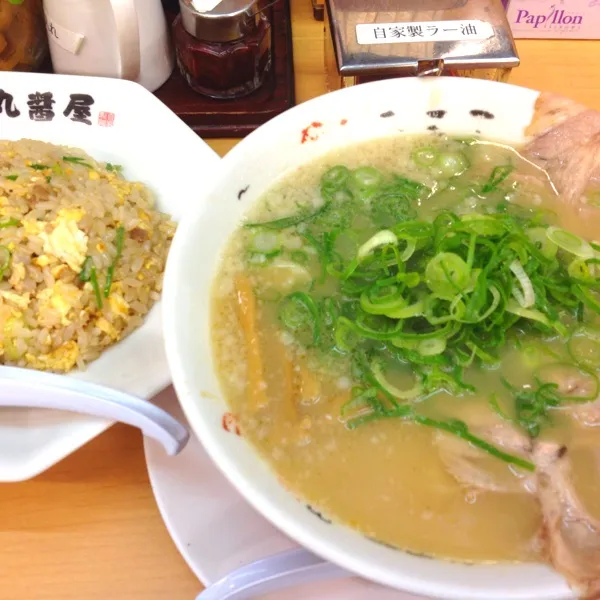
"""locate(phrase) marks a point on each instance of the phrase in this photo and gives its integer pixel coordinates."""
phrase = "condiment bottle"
(223, 48)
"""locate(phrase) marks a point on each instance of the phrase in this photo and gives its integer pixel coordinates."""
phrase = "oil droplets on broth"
(418, 318)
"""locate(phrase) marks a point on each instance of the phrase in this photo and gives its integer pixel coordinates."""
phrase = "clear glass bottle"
(225, 52)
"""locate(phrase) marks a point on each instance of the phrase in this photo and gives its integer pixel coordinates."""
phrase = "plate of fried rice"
(94, 175)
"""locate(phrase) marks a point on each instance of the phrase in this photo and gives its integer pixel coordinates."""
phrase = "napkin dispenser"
(400, 38)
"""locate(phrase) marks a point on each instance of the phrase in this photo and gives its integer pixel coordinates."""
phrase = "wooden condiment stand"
(236, 118)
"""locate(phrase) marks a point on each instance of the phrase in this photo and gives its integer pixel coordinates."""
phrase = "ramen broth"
(393, 478)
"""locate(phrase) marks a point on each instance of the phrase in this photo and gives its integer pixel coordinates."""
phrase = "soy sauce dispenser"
(399, 38)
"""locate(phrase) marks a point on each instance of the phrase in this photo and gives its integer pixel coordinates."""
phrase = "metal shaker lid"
(224, 21)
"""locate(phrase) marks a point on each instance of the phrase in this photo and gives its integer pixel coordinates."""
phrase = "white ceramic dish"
(127, 126)
(496, 111)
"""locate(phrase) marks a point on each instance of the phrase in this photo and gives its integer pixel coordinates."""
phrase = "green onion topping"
(436, 296)
(5, 260)
(119, 239)
(78, 161)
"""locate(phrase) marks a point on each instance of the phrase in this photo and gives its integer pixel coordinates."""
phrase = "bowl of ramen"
(390, 345)
(88, 208)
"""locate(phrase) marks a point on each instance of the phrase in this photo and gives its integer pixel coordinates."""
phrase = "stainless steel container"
(398, 38)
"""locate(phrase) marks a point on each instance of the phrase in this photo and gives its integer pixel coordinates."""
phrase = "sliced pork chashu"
(477, 470)
(565, 142)
(572, 534)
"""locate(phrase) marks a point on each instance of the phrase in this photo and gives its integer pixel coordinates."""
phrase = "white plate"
(125, 125)
(217, 531)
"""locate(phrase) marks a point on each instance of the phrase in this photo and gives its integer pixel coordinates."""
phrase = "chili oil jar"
(224, 52)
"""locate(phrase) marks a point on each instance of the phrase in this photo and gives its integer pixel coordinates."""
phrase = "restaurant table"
(89, 527)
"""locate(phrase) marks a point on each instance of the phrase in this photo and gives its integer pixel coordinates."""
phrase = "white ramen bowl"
(470, 106)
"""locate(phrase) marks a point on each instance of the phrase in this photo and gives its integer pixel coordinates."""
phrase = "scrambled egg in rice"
(82, 252)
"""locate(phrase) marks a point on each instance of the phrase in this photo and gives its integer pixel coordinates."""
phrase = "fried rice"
(82, 253)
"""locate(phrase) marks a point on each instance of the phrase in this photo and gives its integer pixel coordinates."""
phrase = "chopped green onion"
(86, 269)
(434, 295)
(460, 429)
(499, 174)
(96, 287)
(5, 259)
(425, 157)
(346, 339)
(411, 246)
(409, 394)
(119, 239)
(416, 230)
(299, 311)
(451, 164)
(570, 242)
(361, 399)
(447, 274)
(77, 160)
(335, 178)
(371, 333)
(410, 280)
(573, 382)
(365, 179)
(526, 298)
(382, 300)
(11, 177)
(534, 354)
(538, 236)
(584, 347)
(483, 356)
(299, 256)
(265, 242)
(381, 238)
(39, 167)
(477, 318)
(292, 220)
(431, 347)
(406, 312)
(493, 402)
(486, 225)
(580, 269)
(115, 168)
(10, 223)
(535, 315)
(589, 298)
(88, 273)
(455, 312)
(441, 332)
(533, 405)
(453, 427)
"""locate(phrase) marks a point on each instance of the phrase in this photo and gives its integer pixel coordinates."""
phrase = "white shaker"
(124, 39)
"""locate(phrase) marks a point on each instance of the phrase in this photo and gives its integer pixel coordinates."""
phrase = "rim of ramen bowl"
(468, 582)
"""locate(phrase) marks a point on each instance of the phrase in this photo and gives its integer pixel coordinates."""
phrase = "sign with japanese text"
(40, 106)
(425, 31)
